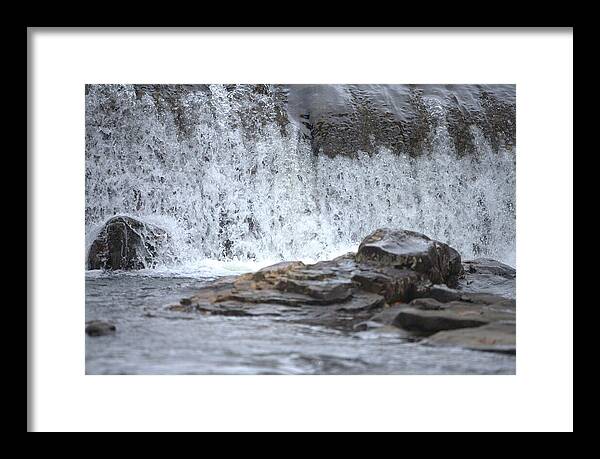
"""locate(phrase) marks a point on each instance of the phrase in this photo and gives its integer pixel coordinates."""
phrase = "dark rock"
(428, 304)
(442, 293)
(426, 321)
(99, 328)
(403, 249)
(495, 337)
(488, 276)
(326, 290)
(394, 283)
(490, 267)
(428, 315)
(346, 119)
(126, 243)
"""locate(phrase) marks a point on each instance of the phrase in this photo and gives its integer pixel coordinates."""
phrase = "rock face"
(344, 119)
(397, 279)
(402, 249)
(126, 243)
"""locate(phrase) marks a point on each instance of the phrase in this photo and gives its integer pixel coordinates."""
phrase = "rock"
(393, 284)
(442, 293)
(488, 276)
(126, 243)
(495, 337)
(490, 267)
(428, 315)
(99, 328)
(345, 119)
(428, 304)
(387, 315)
(404, 249)
(326, 290)
(399, 281)
(426, 321)
(276, 269)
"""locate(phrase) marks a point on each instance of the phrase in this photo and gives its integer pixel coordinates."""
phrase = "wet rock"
(490, 267)
(427, 321)
(99, 328)
(442, 293)
(495, 337)
(276, 269)
(488, 276)
(387, 315)
(404, 249)
(399, 280)
(428, 304)
(327, 290)
(428, 315)
(393, 284)
(126, 243)
(345, 119)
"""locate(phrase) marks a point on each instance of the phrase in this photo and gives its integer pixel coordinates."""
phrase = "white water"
(235, 197)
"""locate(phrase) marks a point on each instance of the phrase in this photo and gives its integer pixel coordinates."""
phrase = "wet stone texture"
(398, 279)
(126, 243)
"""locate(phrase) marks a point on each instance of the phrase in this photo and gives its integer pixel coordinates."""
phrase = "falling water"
(232, 178)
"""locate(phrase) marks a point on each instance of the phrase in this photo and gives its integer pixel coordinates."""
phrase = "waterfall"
(231, 172)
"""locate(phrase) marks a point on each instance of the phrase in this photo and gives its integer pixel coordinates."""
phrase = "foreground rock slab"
(430, 315)
(495, 337)
(397, 279)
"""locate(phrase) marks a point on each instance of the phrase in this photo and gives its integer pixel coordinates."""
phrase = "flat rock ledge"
(398, 280)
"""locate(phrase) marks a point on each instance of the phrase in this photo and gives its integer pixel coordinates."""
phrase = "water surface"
(152, 340)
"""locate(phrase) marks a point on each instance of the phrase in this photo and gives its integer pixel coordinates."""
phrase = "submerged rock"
(99, 328)
(126, 243)
(398, 278)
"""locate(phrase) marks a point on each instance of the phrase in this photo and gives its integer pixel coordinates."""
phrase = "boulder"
(404, 249)
(126, 243)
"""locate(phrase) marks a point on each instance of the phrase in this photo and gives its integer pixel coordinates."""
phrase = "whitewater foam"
(235, 198)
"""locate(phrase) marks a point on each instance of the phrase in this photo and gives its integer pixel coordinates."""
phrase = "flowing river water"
(237, 190)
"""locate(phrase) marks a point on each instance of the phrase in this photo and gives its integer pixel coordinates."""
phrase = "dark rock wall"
(344, 119)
